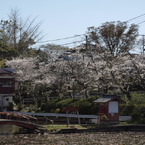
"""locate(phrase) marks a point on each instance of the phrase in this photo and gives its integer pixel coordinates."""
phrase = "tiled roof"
(6, 71)
(107, 98)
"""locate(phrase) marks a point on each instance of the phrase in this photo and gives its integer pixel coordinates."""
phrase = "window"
(7, 84)
(7, 99)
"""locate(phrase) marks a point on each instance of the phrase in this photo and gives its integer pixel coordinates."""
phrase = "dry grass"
(99, 138)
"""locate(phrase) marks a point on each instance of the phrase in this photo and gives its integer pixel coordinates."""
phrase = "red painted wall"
(7, 89)
(103, 110)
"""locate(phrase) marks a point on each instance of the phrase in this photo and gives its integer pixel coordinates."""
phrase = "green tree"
(117, 38)
(18, 34)
(112, 42)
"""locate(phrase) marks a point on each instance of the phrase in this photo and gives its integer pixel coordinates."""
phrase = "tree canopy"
(105, 66)
(117, 38)
(18, 34)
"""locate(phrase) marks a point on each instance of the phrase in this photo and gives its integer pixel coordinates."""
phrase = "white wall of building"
(113, 107)
(7, 100)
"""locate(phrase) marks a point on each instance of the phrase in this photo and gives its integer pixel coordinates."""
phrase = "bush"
(104, 117)
(86, 105)
(33, 108)
(64, 103)
(57, 110)
(137, 112)
(49, 106)
(126, 110)
(138, 98)
(10, 107)
(46, 107)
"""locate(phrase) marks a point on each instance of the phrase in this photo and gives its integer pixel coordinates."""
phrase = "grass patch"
(124, 123)
(59, 127)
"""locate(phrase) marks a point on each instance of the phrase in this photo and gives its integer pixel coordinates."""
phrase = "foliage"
(57, 73)
(64, 103)
(2, 62)
(6, 52)
(17, 35)
(10, 107)
(115, 37)
(135, 108)
(104, 65)
(86, 106)
(59, 127)
(33, 108)
(57, 110)
(104, 117)
(126, 110)
(138, 98)
(138, 114)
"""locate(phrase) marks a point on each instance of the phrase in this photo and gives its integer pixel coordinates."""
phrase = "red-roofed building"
(7, 87)
(109, 108)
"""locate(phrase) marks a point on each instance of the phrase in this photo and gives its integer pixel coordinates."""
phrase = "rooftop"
(107, 98)
(6, 71)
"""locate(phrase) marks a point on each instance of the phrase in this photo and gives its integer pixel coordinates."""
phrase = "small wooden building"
(109, 108)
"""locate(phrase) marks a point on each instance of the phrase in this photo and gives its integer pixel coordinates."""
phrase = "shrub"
(64, 103)
(10, 107)
(86, 105)
(57, 110)
(126, 110)
(137, 112)
(104, 117)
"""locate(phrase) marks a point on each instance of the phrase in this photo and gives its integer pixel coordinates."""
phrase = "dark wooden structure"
(7, 81)
(7, 87)
(70, 110)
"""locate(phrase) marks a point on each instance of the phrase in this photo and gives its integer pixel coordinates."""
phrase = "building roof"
(107, 98)
(6, 71)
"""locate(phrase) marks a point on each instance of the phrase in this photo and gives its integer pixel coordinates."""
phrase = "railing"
(121, 118)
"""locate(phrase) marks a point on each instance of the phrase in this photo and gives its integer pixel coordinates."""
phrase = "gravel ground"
(98, 138)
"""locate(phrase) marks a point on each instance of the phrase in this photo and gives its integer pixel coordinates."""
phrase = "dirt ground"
(98, 138)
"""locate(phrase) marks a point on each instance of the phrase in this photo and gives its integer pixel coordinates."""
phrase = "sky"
(66, 18)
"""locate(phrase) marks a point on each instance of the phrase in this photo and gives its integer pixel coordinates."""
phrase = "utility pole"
(86, 42)
(143, 41)
(86, 46)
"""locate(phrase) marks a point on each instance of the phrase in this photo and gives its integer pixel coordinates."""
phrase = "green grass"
(59, 127)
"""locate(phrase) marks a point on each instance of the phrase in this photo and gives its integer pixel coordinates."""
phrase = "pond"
(10, 129)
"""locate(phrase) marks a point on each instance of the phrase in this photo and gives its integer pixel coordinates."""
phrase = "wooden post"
(68, 122)
(45, 119)
(78, 117)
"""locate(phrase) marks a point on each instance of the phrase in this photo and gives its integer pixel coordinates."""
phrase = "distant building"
(7, 87)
